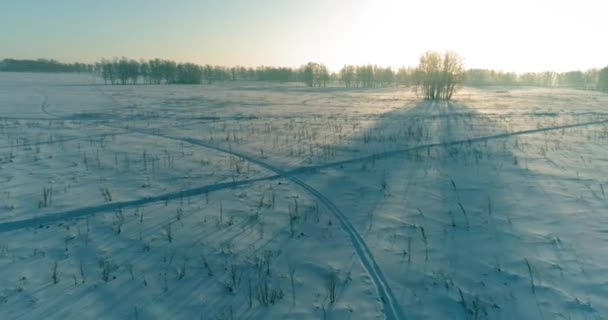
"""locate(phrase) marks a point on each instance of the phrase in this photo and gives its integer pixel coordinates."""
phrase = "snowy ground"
(275, 201)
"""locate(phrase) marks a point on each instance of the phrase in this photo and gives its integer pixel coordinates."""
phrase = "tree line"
(129, 71)
(591, 79)
(156, 71)
(159, 71)
(43, 65)
(370, 76)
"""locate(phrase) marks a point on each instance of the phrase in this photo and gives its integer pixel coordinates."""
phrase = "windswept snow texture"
(275, 201)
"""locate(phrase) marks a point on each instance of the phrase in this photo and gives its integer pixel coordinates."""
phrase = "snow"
(190, 202)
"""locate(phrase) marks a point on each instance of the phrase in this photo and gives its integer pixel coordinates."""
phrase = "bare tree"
(322, 75)
(308, 73)
(437, 75)
(108, 71)
(315, 74)
(189, 73)
(347, 75)
(602, 83)
(405, 76)
(156, 71)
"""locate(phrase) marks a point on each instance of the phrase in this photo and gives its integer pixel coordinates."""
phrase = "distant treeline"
(43, 65)
(369, 76)
(590, 80)
(129, 71)
(157, 71)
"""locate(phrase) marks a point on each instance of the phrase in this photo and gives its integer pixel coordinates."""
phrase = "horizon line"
(332, 70)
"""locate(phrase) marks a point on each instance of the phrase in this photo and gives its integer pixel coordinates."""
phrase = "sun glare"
(515, 36)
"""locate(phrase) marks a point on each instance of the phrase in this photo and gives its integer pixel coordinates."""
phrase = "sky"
(514, 35)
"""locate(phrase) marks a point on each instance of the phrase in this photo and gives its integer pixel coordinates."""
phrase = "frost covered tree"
(43, 65)
(385, 77)
(156, 71)
(108, 71)
(365, 76)
(126, 70)
(347, 75)
(405, 76)
(169, 69)
(438, 75)
(308, 73)
(189, 73)
(602, 82)
(322, 76)
(315, 74)
(145, 72)
(573, 79)
(208, 73)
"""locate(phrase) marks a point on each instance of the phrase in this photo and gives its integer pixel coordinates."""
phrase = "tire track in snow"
(392, 153)
(364, 253)
(33, 144)
(26, 118)
(60, 140)
(43, 106)
(392, 310)
(81, 212)
(108, 207)
(388, 154)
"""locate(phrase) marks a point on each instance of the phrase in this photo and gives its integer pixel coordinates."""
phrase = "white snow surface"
(276, 201)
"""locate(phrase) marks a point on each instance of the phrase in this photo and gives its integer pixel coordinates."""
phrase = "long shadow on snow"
(450, 225)
(443, 178)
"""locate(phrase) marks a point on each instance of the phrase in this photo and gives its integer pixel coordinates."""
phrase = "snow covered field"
(275, 201)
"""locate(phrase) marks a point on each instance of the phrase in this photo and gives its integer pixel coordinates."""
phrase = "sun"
(518, 36)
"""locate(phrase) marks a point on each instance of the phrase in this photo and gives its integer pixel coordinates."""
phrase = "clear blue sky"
(517, 35)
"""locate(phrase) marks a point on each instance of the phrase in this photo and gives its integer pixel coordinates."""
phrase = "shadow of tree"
(460, 230)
